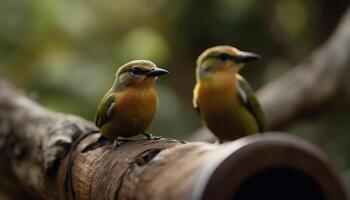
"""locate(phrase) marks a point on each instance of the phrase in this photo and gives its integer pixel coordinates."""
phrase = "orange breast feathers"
(133, 111)
(137, 102)
(220, 91)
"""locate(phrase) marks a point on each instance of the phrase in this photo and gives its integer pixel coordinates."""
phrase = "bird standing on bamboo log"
(224, 99)
(127, 109)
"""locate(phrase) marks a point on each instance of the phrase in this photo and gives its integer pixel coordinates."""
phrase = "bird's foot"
(151, 137)
(119, 141)
(116, 144)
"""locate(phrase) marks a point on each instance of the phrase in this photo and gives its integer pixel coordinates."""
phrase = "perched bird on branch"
(127, 109)
(224, 99)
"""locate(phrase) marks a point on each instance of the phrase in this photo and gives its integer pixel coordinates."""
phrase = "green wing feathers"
(104, 110)
(250, 101)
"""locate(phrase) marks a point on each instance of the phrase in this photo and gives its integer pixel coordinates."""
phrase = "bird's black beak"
(157, 72)
(247, 57)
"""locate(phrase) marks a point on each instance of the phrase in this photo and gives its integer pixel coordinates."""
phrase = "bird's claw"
(151, 137)
(116, 144)
(119, 141)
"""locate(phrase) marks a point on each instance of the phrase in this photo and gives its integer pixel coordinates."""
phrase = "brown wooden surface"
(33, 150)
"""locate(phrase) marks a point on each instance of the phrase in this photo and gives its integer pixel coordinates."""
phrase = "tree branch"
(319, 81)
(34, 143)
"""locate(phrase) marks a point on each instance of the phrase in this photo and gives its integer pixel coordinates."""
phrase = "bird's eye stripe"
(137, 71)
(225, 56)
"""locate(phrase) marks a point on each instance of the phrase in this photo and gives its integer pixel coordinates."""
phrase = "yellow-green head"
(137, 73)
(222, 58)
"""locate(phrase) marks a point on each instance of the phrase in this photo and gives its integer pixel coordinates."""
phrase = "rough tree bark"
(318, 82)
(34, 143)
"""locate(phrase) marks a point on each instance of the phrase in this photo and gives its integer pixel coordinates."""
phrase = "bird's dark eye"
(224, 57)
(137, 71)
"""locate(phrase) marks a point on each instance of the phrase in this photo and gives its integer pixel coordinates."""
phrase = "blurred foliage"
(65, 53)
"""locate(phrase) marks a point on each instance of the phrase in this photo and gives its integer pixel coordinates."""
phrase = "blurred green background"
(64, 53)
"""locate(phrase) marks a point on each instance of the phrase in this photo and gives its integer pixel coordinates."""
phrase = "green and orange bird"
(127, 109)
(224, 99)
